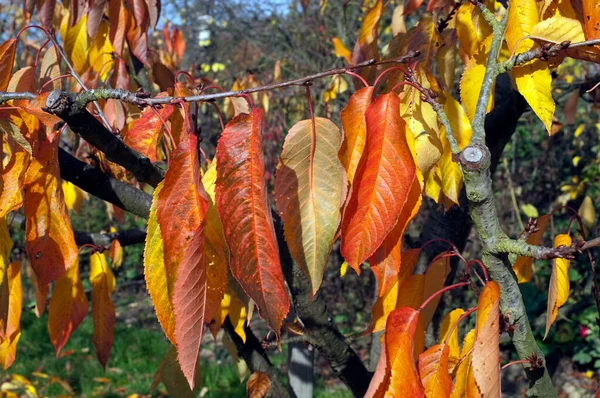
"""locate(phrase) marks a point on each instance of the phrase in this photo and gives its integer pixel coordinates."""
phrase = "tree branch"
(82, 122)
(95, 182)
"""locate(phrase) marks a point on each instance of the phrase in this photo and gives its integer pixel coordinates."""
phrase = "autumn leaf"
(6, 245)
(159, 281)
(341, 50)
(450, 337)
(559, 289)
(471, 83)
(103, 310)
(241, 198)
(116, 253)
(180, 208)
(355, 130)
(13, 177)
(386, 261)
(486, 349)
(145, 133)
(533, 79)
(366, 45)
(49, 240)
(591, 18)
(411, 5)
(258, 385)
(7, 59)
(11, 296)
(68, 307)
(76, 43)
(170, 374)
(557, 29)
(435, 278)
(464, 383)
(310, 189)
(399, 341)
(381, 185)
(387, 300)
(12, 124)
(433, 371)
(472, 30)
(100, 52)
(523, 265)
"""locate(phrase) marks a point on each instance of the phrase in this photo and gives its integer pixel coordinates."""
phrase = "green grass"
(136, 354)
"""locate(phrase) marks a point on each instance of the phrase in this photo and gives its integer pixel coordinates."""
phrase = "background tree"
(102, 99)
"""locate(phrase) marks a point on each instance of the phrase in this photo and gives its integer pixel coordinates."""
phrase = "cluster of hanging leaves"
(211, 250)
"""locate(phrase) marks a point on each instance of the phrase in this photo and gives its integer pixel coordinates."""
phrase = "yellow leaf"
(530, 210)
(461, 129)
(74, 196)
(77, 44)
(341, 50)
(238, 316)
(464, 384)
(158, 282)
(103, 310)
(337, 86)
(343, 269)
(11, 292)
(449, 321)
(533, 79)
(6, 245)
(558, 29)
(398, 25)
(587, 212)
(558, 291)
(470, 85)
(534, 82)
(579, 130)
(100, 53)
(472, 29)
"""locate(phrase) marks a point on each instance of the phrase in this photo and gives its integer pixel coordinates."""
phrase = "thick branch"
(475, 162)
(95, 182)
(126, 238)
(89, 128)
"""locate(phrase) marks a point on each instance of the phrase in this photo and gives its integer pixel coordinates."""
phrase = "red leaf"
(94, 16)
(181, 204)
(144, 134)
(241, 197)
(50, 244)
(382, 183)
(46, 12)
(411, 5)
(153, 11)
(7, 59)
(119, 24)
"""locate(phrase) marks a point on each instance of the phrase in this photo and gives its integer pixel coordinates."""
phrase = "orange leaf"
(355, 130)
(558, 291)
(366, 45)
(11, 294)
(435, 277)
(591, 18)
(447, 323)
(310, 189)
(103, 310)
(433, 370)
(7, 59)
(341, 50)
(399, 341)
(116, 253)
(522, 265)
(144, 134)
(68, 307)
(387, 301)
(486, 351)
(13, 177)
(34, 107)
(258, 385)
(386, 261)
(241, 197)
(50, 244)
(382, 183)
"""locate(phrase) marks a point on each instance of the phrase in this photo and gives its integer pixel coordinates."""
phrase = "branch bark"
(67, 107)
